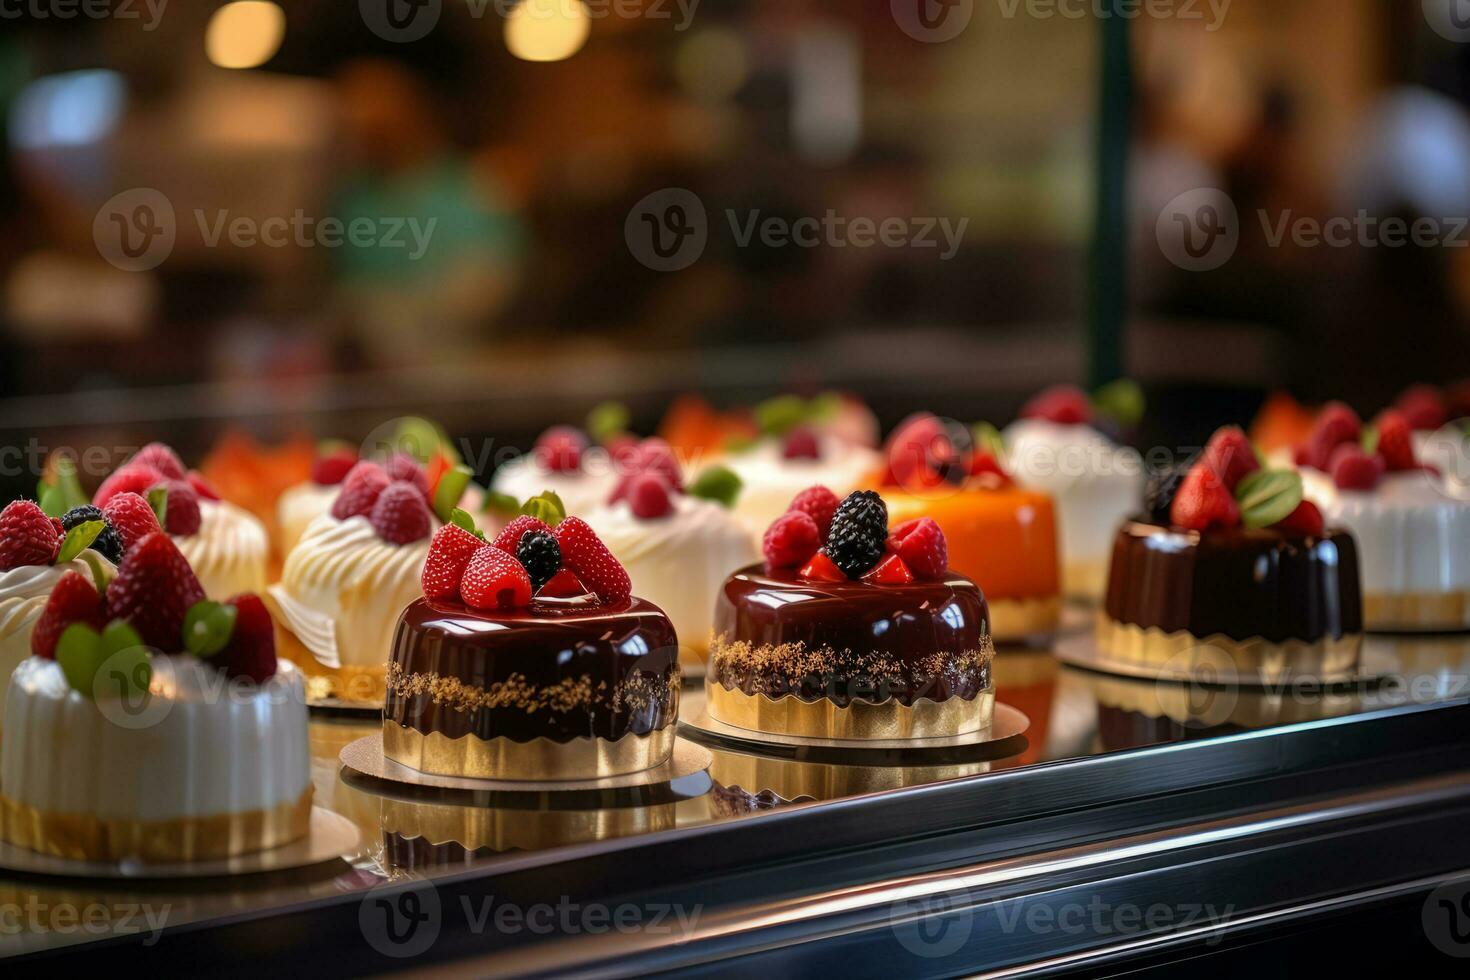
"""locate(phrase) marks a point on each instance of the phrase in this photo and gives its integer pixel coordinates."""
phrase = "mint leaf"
(51, 499)
(607, 420)
(423, 440)
(461, 518)
(158, 500)
(547, 507)
(79, 654)
(62, 490)
(208, 627)
(1267, 497)
(1370, 439)
(824, 407)
(450, 489)
(1121, 400)
(78, 540)
(778, 416)
(101, 574)
(501, 504)
(718, 483)
(988, 439)
(124, 668)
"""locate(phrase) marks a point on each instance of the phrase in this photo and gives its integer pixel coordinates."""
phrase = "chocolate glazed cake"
(850, 659)
(561, 689)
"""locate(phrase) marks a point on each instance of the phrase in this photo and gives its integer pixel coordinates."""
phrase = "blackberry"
(1158, 495)
(859, 532)
(539, 553)
(109, 543)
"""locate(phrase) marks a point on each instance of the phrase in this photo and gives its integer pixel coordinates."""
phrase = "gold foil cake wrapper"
(1017, 619)
(1417, 611)
(539, 758)
(858, 719)
(1224, 658)
(500, 829)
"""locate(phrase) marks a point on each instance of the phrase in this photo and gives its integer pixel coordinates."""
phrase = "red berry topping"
(1336, 424)
(1396, 441)
(988, 471)
(791, 540)
(181, 515)
(1306, 519)
(251, 651)
(890, 570)
(202, 486)
(801, 443)
(1230, 454)
(153, 591)
(622, 448)
(584, 553)
(332, 469)
(560, 449)
(920, 451)
(360, 490)
(449, 555)
(73, 600)
(921, 545)
(1353, 469)
(131, 478)
(495, 580)
(27, 536)
(132, 517)
(822, 569)
(161, 458)
(1062, 404)
(563, 585)
(400, 515)
(401, 466)
(649, 496)
(1203, 501)
(509, 539)
(819, 504)
(1424, 408)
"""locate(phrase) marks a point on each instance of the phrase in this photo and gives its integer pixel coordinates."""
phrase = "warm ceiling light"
(547, 30)
(245, 34)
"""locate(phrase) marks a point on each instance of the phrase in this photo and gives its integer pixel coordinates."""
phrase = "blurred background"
(293, 219)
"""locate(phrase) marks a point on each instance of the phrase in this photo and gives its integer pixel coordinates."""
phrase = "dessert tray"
(331, 837)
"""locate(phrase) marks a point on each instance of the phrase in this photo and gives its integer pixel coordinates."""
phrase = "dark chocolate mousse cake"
(851, 631)
(1231, 568)
(528, 658)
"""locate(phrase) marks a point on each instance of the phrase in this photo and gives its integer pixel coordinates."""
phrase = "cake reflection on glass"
(851, 631)
(529, 657)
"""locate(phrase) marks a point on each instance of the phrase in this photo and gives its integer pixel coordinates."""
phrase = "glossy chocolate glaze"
(902, 630)
(622, 657)
(1241, 583)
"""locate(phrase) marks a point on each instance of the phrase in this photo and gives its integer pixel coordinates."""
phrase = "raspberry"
(401, 466)
(1230, 454)
(332, 469)
(1062, 404)
(921, 545)
(449, 554)
(153, 591)
(791, 540)
(495, 580)
(1335, 425)
(131, 478)
(360, 490)
(1203, 501)
(1396, 441)
(1353, 469)
(540, 556)
(509, 539)
(859, 531)
(161, 458)
(108, 544)
(801, 443)
(1423, 407)
(181, 515)
(652, 455)
(201, 486)
(920, 451)
(985, 467)
(819, 504)
(400, 515)
(891, 570)
(27, 536)
(73, 600)
(1306, 519)
(251, 651)
(133, 518)
(560, 449)
(649, 496)
(585, 554)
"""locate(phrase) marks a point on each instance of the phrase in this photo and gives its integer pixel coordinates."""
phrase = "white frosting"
(23, 595)
(1096, 483)
(229, 552)
(298, 507)
(343, 587)
(211, 747)
(680, 561)
(580, 491)
(1448, 450)
(770, 480)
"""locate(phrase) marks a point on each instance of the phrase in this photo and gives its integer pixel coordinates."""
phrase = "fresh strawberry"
(1353, 469)
(1423, 407)
(202, 487)
(360, 490)
(920, 450)
(822, 569)
(1203, 501)
(332, 469)
(400, 515)
(791, 540)
(801, 443)
(563, 585)
(132, 517)
(1062, 404)
(1396, 441)
(494, 580)
(154, 590)
(1230, 454)
(649, 496)
(922, 546)
(132, 478)
(181, 515)
(584, 553)
(890, 570)
(819, 504)
(560, 449)
(161, 458)
(1306, 519)
(509, 539)
(401, 466)
(1336, 424)
(251, 651)
(449, 554)
(27, 536)
(74, 599)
